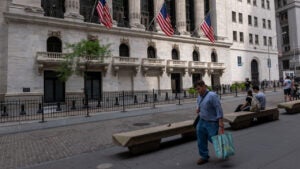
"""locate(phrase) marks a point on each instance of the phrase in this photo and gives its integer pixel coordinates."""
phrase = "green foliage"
(237, 85)
(209, 88)
(192, 91)
(84, 49)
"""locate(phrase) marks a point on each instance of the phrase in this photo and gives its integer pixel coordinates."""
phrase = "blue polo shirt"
(210, 107)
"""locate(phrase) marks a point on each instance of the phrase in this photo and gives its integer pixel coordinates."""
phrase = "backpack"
(255, 105)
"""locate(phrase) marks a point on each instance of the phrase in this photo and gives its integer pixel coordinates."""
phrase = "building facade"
(36, 32)
(288, 29)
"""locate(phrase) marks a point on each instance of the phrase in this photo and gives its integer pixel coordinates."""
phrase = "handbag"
(198, 117)
(223, 145)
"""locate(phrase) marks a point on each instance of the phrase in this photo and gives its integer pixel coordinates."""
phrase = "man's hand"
(221, 126)
(197, 111)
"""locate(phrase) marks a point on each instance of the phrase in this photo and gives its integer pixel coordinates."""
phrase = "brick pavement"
(35, 147)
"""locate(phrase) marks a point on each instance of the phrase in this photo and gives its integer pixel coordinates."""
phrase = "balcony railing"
(125, 61)
(50, 57)
(153, 63)
(215, 65)
(177, 64)
(198, 65)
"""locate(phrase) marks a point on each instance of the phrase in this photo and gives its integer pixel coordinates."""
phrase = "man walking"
(211, 119)
(287, 87)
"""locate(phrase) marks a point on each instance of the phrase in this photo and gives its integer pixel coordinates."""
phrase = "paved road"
(89, 145)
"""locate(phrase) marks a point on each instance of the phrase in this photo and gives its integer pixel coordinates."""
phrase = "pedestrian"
(211, 120)
(287, 87)
(247, 105)
(247, 84)
(260, 96)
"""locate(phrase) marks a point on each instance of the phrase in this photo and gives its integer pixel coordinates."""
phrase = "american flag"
(164, 21)
(208, 29)
(104, 15)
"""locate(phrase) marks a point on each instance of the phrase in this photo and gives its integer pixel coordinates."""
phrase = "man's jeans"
(205, 130)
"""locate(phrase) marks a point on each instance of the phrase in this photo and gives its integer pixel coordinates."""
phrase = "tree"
(84, 50)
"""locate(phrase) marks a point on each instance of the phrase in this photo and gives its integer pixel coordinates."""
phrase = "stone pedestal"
(72, 10)
(135, 14)
(181, 16)
(199, 14)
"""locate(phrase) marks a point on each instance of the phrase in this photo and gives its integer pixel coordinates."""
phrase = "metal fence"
(37, 109)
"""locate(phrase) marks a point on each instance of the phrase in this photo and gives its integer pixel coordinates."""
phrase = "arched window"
(54, 44)
(124, 50)
(54, 8)
(214, 57)
(121, 12)
(175, 55)
(196, 56)
(151, 52)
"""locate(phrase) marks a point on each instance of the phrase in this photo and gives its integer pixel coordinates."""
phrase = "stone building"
(35, 32)
(288, 29)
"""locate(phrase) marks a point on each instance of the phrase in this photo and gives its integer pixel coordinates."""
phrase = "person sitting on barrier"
(260, 96)
(246, 106)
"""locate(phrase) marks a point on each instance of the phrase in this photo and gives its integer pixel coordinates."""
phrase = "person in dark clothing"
(247, 105)
(247, 84)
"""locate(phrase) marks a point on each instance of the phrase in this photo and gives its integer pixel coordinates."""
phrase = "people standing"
(287, 87)
(260, 96)
(211, 119)
(247, 84)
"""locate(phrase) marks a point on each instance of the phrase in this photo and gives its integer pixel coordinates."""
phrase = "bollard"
(22, 110)
(123, 102)
(146, 98)
(117, 102)
(135, 100)
(184, 94)
(274, 85)
(58, 108)
(40, 110)
(73, 105)
(155, 97)
(236, 91)
(178, 99)
(4, 111)
(167, 96)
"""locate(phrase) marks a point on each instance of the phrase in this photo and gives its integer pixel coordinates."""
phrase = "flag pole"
(92, 14)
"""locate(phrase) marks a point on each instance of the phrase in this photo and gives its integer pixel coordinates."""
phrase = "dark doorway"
(254, 72)
(196, 77)
(215, 81)
(175, 55)
(196, 56)
(93, 84)
(151, 52)
(124, 50)
(176, 82)
(214, 57)
(54, 89)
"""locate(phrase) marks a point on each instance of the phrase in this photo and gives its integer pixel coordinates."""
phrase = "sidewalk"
(68, 137)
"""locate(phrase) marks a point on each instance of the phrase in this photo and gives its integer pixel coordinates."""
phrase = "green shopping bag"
(223, 145)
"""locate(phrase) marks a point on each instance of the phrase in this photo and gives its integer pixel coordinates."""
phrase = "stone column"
(219, 16)
(72, 10)
(135, 14)
(181, 16)
(157, 5)
(110, 5)
(199, 13)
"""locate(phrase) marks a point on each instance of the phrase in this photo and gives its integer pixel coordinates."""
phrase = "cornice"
(255, 51)
(91, 27)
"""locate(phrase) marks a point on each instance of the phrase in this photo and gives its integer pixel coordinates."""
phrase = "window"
(268, 4)
(265, 40)
(54, 8)
(214, 57)
(269, 24)
(239, 61)
(241, 37)
(175, 55)
(254, 3)
(54, 45)
(147, 13)
(249, 1)
(196, 56)
(286, 64)
(264, 23)
(255, 21)
(151, 52)
(120, 12)
(240, 18)
(270, 41)
(250, 38)
(190, 19)
(256, 40)
(234, 36)
(92, 84)
(269, 63)
(233, 16)
(285, 35)
(124, 50)
(263, 3)
(249, 20)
